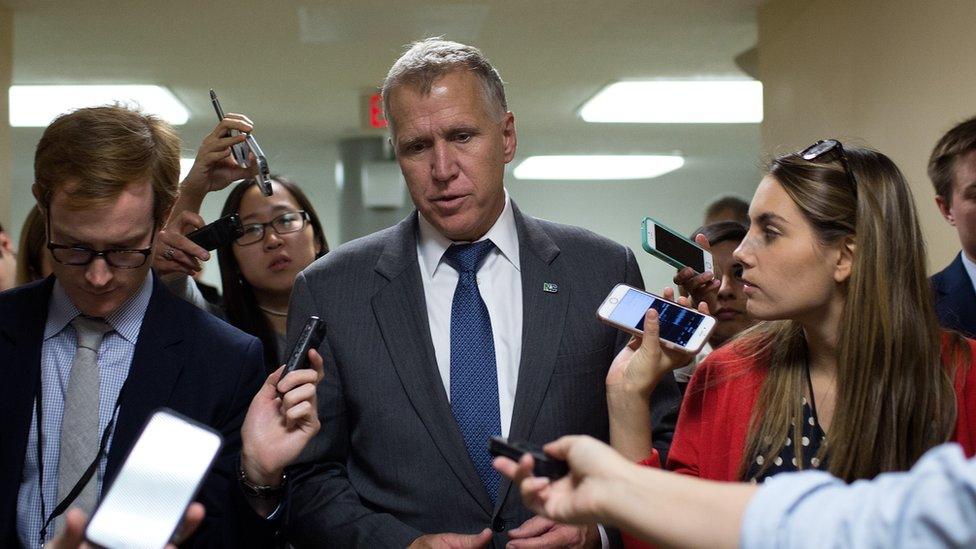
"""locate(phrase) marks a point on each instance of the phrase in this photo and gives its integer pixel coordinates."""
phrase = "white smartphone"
(681, 327)
(668, 245)
(146, 502)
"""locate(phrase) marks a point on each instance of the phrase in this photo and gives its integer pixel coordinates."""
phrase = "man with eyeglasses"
(90, 353)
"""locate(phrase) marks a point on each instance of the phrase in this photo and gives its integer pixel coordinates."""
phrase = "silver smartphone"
(680, 327)
(668, 245)
(145, 503)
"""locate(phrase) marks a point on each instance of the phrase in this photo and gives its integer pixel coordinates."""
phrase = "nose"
(443, 163)
(743, 254)
(98, 273)
(272, 240)
(727, 289)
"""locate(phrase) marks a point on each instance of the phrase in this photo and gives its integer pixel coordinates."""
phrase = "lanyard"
(80, 485)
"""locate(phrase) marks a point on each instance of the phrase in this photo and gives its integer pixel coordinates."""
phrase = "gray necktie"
(79, 428)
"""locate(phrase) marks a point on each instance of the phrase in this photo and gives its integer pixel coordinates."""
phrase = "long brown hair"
(895, 396)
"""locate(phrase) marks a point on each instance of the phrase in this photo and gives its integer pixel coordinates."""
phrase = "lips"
(279, 264)
(449, 202)
(727, 314)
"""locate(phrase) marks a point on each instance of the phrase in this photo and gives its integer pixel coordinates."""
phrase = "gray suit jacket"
(389, 463)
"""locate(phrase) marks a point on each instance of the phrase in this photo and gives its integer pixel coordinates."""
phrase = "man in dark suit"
(952, 169)
(467, 319)
(94, 350)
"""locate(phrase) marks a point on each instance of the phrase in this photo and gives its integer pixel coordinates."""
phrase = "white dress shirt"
(500, 284)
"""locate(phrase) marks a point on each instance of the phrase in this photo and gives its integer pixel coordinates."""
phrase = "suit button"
(498, 525)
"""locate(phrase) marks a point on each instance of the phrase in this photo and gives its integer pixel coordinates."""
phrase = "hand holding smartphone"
(671, 247)
(241, 151)
(680, 327)
(146, 502)
(218, 234)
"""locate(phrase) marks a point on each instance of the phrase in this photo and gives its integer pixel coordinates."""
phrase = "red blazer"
(714, 420)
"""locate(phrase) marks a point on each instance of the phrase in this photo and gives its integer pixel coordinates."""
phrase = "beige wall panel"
(891, 74)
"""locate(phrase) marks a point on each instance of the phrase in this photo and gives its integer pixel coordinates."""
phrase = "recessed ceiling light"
(597, 167)
(37, 106)
(677, 102)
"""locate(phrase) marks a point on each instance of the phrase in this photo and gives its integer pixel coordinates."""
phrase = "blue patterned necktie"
(474, 377)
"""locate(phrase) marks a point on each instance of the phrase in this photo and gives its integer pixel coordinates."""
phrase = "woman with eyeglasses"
(282, 235)
(849, 371)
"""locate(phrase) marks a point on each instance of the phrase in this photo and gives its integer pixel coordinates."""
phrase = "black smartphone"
(219, 233)
(545, 465)
(309, 338)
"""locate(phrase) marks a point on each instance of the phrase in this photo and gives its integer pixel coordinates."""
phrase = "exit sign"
(373, 116)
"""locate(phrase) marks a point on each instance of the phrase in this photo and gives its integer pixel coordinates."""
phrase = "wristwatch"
(257, 490)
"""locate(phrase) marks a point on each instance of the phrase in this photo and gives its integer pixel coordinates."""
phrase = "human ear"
(845, 259)
(945, 208)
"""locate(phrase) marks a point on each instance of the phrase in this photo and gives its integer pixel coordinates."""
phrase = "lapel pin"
(550, 287)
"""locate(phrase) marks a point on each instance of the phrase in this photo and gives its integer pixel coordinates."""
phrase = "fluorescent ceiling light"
(677, 101)
(185, 165)
(597, 167)
(37, 106)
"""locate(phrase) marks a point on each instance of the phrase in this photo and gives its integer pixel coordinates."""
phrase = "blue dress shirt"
(57, 353)
(933, 505)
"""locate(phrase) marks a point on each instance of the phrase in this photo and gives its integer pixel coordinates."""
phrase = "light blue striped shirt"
(933, 505)
(57, 353)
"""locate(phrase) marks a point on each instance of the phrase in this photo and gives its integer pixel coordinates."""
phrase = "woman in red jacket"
(850, 373)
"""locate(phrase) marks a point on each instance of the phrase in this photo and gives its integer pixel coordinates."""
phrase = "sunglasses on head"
(827, 150)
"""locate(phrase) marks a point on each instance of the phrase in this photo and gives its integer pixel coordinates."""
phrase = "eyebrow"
(274, 210)
(767, 217)
(127, 243)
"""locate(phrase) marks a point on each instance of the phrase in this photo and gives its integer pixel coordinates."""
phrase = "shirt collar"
(503, 234)
(970, 267)
(126, 320)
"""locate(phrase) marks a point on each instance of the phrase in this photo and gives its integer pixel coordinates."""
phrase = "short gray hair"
(427, 60)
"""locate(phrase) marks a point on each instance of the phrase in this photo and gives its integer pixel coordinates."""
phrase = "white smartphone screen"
(677, 324)
(146, 502)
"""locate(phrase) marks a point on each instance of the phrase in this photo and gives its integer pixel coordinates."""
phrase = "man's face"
(126, 223)
(452, 147)
(960, 211)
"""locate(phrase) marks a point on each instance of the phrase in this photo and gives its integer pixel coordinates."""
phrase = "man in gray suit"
(467, 319)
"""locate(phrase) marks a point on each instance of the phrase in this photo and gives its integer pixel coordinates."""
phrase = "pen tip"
(212, 94)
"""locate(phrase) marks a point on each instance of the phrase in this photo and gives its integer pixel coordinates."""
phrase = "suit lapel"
(21, 339)
(156, 365)
(543, 317)
(958, 291)
(401, 313)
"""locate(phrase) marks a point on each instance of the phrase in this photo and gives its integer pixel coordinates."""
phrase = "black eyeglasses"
(83, 255)
(288, 222)
(827, 150)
